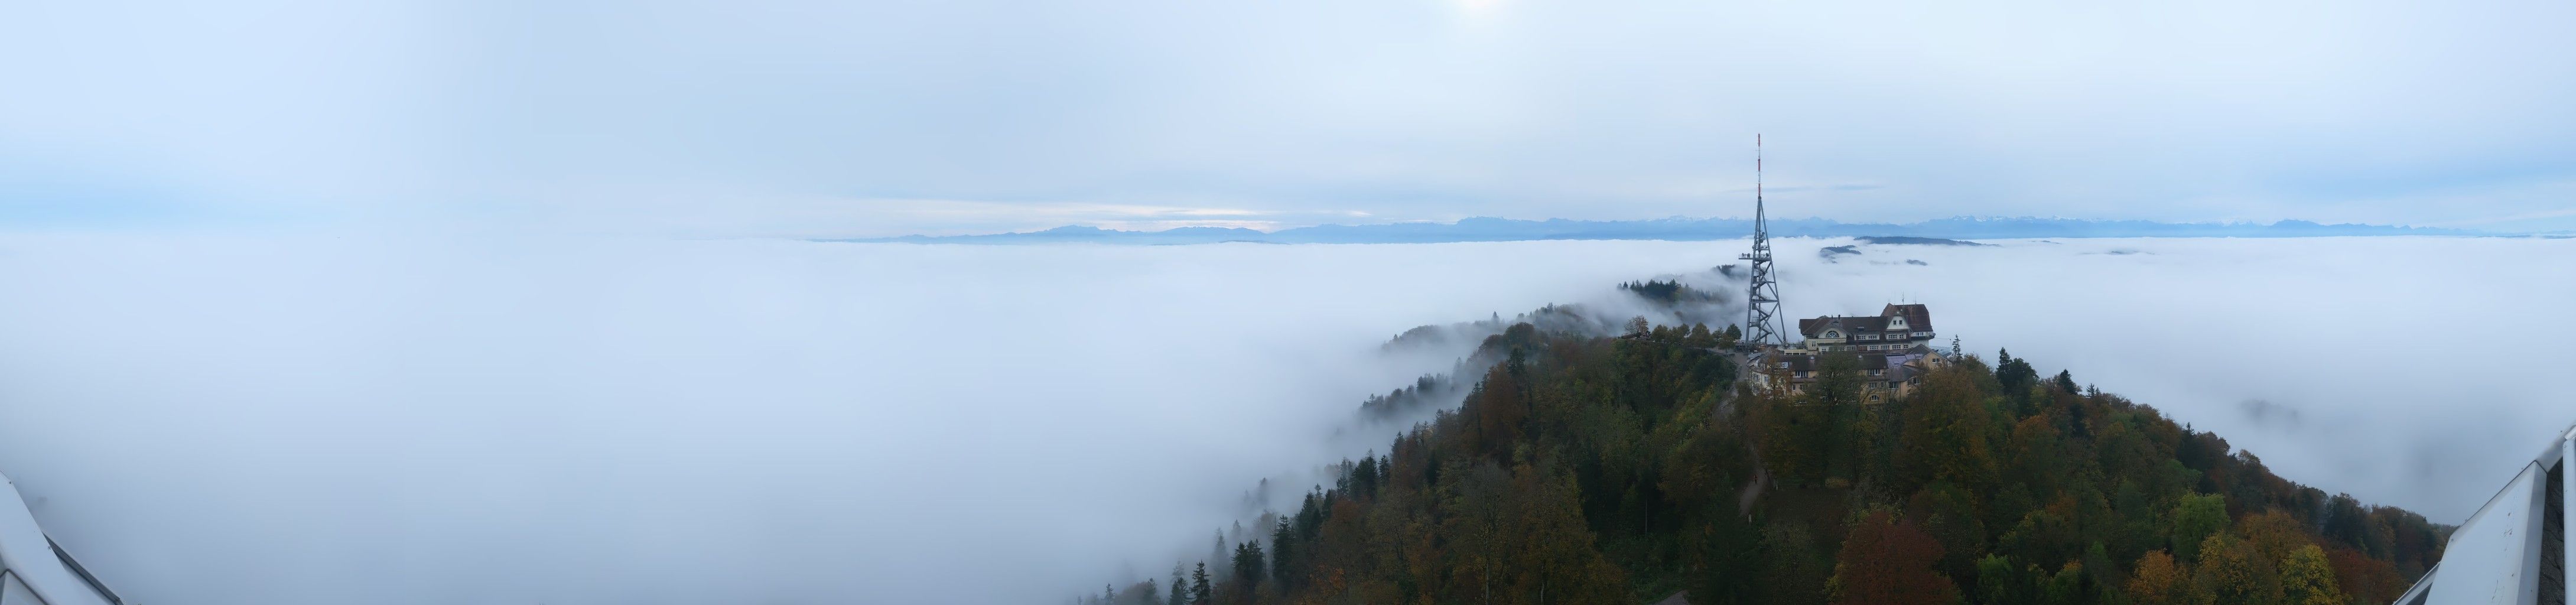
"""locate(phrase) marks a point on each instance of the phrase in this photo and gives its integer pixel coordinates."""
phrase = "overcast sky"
(772, 117)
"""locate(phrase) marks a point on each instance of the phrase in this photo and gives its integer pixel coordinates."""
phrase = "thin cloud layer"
(835, 119)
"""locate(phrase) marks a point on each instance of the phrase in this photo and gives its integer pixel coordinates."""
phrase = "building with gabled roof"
(1894, 348)
(1895, 328)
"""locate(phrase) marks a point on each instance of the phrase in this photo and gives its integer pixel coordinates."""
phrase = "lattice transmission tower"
(1762, 322)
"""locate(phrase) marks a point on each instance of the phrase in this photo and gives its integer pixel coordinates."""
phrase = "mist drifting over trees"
(256, 419)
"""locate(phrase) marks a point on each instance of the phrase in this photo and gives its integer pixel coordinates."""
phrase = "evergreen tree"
(1282, 543)
(1180, 593)
(2014, 375)
(1199, 588)
(1248, 568)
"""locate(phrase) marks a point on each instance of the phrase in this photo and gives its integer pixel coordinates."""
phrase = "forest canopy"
(1625, 470)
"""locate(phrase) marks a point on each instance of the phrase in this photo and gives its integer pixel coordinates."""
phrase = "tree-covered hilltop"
(1621, 470)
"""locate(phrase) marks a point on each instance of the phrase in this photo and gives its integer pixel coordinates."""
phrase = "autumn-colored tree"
(1499, 411)
(1791, 433)
(2231, 573)
(2036, 455)
(1886, 560)
(2308, 579)
(1552, 558)
(2196, 519)
(2366, 579)
(2156, 581)
(1944, 432)
(2274, 534)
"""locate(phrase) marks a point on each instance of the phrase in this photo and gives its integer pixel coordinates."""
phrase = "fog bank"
(311, 420)
(410, 420)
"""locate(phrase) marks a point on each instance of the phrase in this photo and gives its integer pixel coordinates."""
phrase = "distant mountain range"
(1489, 229)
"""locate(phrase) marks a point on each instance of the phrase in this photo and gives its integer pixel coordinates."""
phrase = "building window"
(1867, 337)
(1800, 374)
(1878, 372)
(1833, 334)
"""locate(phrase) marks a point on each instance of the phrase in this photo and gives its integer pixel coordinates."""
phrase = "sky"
(778, 118)
(288, 420)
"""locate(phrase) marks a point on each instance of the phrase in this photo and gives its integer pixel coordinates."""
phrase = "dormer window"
(1833, 333)
(1896, 323)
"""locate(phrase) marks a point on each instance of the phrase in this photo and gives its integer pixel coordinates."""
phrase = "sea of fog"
(306, 419)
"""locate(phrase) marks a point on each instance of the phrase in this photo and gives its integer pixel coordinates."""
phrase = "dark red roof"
(1917, 319)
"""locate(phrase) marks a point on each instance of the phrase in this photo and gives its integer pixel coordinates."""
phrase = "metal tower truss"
(1763, 325)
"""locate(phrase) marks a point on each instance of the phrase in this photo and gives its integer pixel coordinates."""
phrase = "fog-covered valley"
(305, 419)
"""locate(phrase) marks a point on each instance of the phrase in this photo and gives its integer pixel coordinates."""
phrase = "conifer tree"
(1282, 541)
(1199, 589)
(1248, 567)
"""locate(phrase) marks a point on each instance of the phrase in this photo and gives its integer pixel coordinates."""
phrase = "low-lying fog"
(338, 420)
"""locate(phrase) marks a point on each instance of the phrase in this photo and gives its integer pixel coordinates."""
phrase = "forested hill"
(1622, 470)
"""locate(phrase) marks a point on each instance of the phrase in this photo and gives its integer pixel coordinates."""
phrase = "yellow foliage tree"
(2157, 581)
(2308, 579)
